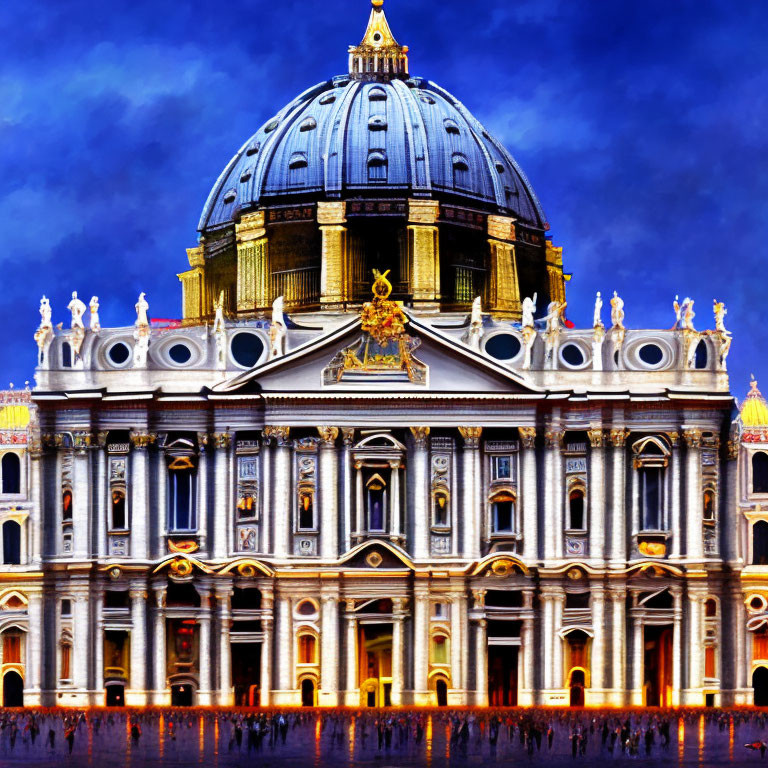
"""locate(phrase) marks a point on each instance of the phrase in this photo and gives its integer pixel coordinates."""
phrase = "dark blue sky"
(642, 126)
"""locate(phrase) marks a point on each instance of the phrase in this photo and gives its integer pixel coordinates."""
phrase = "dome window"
(451, 127)
(230, 195)
(460, 171)
(298, 160)
(572, 356)
(253, 148)
(377, 123)
(500, 168)
(377, 94)
(377, 166)
(503, 346)
(308, 124)
(271, 125)
(426, 98)
(119, 353)
(246, 349)
(246, 176)
(651, 354)
(180, 354)
(327, 98)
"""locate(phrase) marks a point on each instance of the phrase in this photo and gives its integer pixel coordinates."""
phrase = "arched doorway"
(657, 664)
(115, 695)
(13, 690)
(760, 686)
(181, 695)
(307, 692)
(577, 684)
(441, 690)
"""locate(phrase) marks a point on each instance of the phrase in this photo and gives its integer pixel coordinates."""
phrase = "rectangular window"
(501, 467)
(709, 661)
(11, 649)
(181, 500)
(503, 515)
(306, 511)
(66, 662)
(651, 488)
(376, 503)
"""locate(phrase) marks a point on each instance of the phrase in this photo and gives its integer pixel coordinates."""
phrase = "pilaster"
(328, 696)
(329, 492)
(472, 487)
(223, 495)
(421, 505)
(136, 695)
(253, 274)
(334, 278)
(504, 285)
(424, 249)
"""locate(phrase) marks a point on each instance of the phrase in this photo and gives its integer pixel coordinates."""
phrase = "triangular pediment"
(450, 367)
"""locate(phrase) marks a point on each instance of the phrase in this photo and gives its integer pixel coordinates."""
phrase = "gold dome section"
(754, 411)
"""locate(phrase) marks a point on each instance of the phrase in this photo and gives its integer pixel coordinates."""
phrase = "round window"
(572, 355)
(180, 354)
(119, 353)
(503, 346)
(306, 608)
(757, 603)
(246, 349)
(651, 354)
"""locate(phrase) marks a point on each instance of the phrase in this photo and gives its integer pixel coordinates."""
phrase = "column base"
(736, 697)
(136, 698)
(226, 698)
(161, 698)
(33, 697)
(692, 697)
(636, 697)
(352, 698)
(328, 698)
(285, 698)
(526, 698)
(598, 697)
(555, 697)
(204, 698)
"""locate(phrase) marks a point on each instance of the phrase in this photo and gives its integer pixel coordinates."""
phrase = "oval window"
(119, 353)
(306, 608)
(253, 149)
(572, 355)
(271, 125)
(651, 354)
(246, 349)
(180, 354)
(503, 346)
(328, 98)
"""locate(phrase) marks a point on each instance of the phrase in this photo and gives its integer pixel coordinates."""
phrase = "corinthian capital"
(692, 437)
(420, 435)
(618, 437)
(328, 434)
(527, 436)
(471, 436)
(281, 434)
(596, 437)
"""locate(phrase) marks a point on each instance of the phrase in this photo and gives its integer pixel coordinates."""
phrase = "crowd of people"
(320, 736)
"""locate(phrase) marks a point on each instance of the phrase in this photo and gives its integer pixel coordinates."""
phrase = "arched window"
(760, 543)
(576, 509)
(118, 509)
(376, 498)
(700, 360)
(11, 542)
(440, 514)
(710, 607)
(439, 649)
(651, 459)
(709, 506)
(306, 510)
(760, 472)
(307, 649)
(66, 355)
(503, 513)
(66, 505)
(11, 473)
(460, 171)
(377, 166)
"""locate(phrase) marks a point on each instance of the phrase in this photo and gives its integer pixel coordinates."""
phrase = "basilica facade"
(373, 464)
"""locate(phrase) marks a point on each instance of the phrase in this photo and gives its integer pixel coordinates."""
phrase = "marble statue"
(720, 313)
(554, 318)
(218, 308)
(277, 330)
(44, 334)
(95, 323)
(141, 311)
(617, 311)
(475, 332)
(597, 321)
(45, 313)
(220, 333)
(529, 310)
(77, 308)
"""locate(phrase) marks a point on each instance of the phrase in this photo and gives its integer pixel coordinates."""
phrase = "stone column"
(37, 496)
(329, 650)
(253, 273)
(529, 494)
(98, 648)
(553, 494)
(730, 502)
(352, 696)
(137, 693)
(677, 645)
(282, 490)
(481, 662)
(204, 444)
(424, 251)
(81, 496)
(596, 494)
(421, 494)
(472, 487)
(527, 687)
(226, 697)
(618, 645)
(398, 651)
(361, 523)
(160, 696)
(557, 641)
(33, 677)
(618, 438)
(265, 675)
(102, 502)
(692, 696)
(348, 436)
(637, 657)
(139, 492)
(676, 519)
(334, 277)
(223, 504)
(456, 642)
(266, 518)
(547, 660)
(598, 645)
(204, 697)
(284, 630)
(328, 472)
(395, 528)
(503, 285)
(694, 498)
(421, 647)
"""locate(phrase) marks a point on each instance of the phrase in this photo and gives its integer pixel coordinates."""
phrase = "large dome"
(346, 139)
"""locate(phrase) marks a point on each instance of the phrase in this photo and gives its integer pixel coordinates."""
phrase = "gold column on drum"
(334, 278)
(252, 263)
(424, 247)
(503, 281)
(192, 284)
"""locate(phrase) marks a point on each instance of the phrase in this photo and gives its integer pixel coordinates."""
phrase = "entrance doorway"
(502, 675)
(376, 664)
(13, 690)
(181, 695)
(115, 695)
(578, 683)
(246, 673)
(657, 659)
(307, 693)
(441, 690)
(760, 686)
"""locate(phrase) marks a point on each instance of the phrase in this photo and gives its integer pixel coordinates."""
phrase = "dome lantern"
(379, 56)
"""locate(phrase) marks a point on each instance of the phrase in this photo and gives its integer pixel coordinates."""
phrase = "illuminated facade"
(310, 493)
